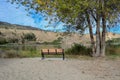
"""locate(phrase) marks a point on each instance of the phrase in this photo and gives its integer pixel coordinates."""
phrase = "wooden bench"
(52, 52)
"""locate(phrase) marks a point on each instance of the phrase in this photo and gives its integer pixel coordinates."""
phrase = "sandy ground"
(57, 69)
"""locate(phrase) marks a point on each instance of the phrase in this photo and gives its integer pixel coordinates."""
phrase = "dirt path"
(36, 69)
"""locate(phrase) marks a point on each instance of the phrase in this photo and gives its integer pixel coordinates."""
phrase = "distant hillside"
(13, 32)
(15, 26)
(16, 33)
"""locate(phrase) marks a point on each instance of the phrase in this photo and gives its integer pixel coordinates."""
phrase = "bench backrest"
(52, 51)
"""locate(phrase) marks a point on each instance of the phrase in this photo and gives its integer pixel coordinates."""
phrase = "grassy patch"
(80, 57)
(30, 54)
(20, 54)
(12, 51)
(113, 48)
(113, 51)
(55, 42)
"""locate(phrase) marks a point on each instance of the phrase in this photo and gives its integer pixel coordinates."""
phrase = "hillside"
(16, 32)
(6, 25)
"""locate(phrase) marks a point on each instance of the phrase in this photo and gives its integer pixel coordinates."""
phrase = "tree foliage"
(30, 37)
(71, 11)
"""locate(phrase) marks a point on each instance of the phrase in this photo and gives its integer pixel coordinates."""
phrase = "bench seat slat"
(45, 50)
(52, 51)
(59, 50)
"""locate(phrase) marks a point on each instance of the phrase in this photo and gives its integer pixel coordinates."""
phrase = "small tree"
(30, 37)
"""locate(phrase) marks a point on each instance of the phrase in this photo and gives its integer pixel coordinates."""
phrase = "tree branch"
(92, 14)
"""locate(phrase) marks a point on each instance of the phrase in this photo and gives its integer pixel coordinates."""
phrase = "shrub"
(12, 40)
(30, 37)
(78, 49)
(3, 40)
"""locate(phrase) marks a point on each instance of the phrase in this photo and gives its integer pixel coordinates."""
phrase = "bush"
(3, 40)
(78, 49)
(30, 37)
(12, 40)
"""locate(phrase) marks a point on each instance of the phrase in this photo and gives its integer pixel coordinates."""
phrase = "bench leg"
(63, 56)
(42, 56)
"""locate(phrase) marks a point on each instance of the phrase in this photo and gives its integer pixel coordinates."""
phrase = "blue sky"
(9, 13)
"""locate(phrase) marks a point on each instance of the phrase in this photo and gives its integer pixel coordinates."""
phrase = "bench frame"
(49, 52)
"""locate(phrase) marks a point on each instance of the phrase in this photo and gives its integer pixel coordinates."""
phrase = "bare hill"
(10, 31)
(16, 26)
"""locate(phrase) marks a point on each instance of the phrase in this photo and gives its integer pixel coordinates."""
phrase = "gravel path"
(37, 69)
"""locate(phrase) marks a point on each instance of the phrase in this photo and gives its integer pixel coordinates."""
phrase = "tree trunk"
(103, 44)
(98, 36)
(103, 40)
(91, 34)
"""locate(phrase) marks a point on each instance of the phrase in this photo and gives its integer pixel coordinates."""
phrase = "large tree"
(80, 14)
